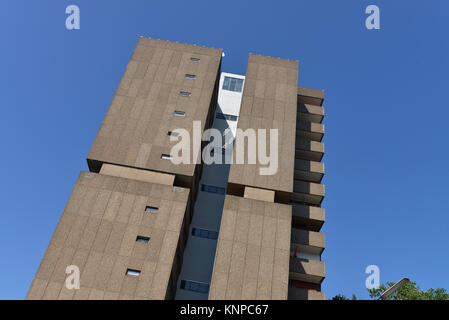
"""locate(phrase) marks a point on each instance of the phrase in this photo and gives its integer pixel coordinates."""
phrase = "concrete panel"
(252, 256)
(101, 240)
(134, 130)
(269, 102)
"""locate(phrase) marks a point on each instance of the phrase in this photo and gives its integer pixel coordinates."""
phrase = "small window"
(165, 156)
(151, 209)
(193, 59)
(223, 116)
(212, 189)
(232, 84)
(196, 286)
(184, 94)
(132, 272)
(142, 239)
(190, 76)
(179, 113)
(203, 233)
(174, 134)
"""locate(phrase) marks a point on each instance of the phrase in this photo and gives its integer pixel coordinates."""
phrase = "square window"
(151, 209)
(226, 83)
(132, 272)
(239, 85)
(143, 239)
(232, 84)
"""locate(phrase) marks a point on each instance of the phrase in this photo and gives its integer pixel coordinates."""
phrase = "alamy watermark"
(73, 279)
(373, 280)
(373, 20)
(72, 22)
(219, 149)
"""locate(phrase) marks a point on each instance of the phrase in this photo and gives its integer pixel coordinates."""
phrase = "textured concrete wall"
(97, 232)
(252, 257)
(134, 130)
(269, 102)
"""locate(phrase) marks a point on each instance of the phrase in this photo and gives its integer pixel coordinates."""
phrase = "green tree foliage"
(342, 297)
(339, 297)
(410, 291)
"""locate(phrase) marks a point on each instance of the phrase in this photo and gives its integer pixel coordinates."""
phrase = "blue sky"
(386, 117)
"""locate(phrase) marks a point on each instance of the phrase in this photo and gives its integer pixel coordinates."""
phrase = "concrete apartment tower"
(138, 226)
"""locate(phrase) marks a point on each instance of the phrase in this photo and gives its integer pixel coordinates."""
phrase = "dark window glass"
(233, 84)
(132, 272)
(203, 233)
(213, 235)
(226, 83)
(212, 189)
(151, 209)
(195, 286)
(226, 116)
(143, 239)
(239, 85)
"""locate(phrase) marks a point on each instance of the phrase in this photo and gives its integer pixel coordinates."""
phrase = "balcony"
(314, 241)
(299, 290)
(305, 294)
(305, 254)
(311, 271)
(307, 217)
(307, 192)
(310, 112)
(310, 96)
(309, 150)
(309, 130)
(307, 170)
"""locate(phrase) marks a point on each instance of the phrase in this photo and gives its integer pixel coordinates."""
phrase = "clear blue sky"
(386, 117)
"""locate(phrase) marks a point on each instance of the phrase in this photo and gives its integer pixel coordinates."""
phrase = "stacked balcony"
(309, 149)
(307, 217)
(306, 270)
(305, 261)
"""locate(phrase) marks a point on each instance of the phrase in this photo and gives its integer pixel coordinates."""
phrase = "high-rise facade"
(139, 226)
